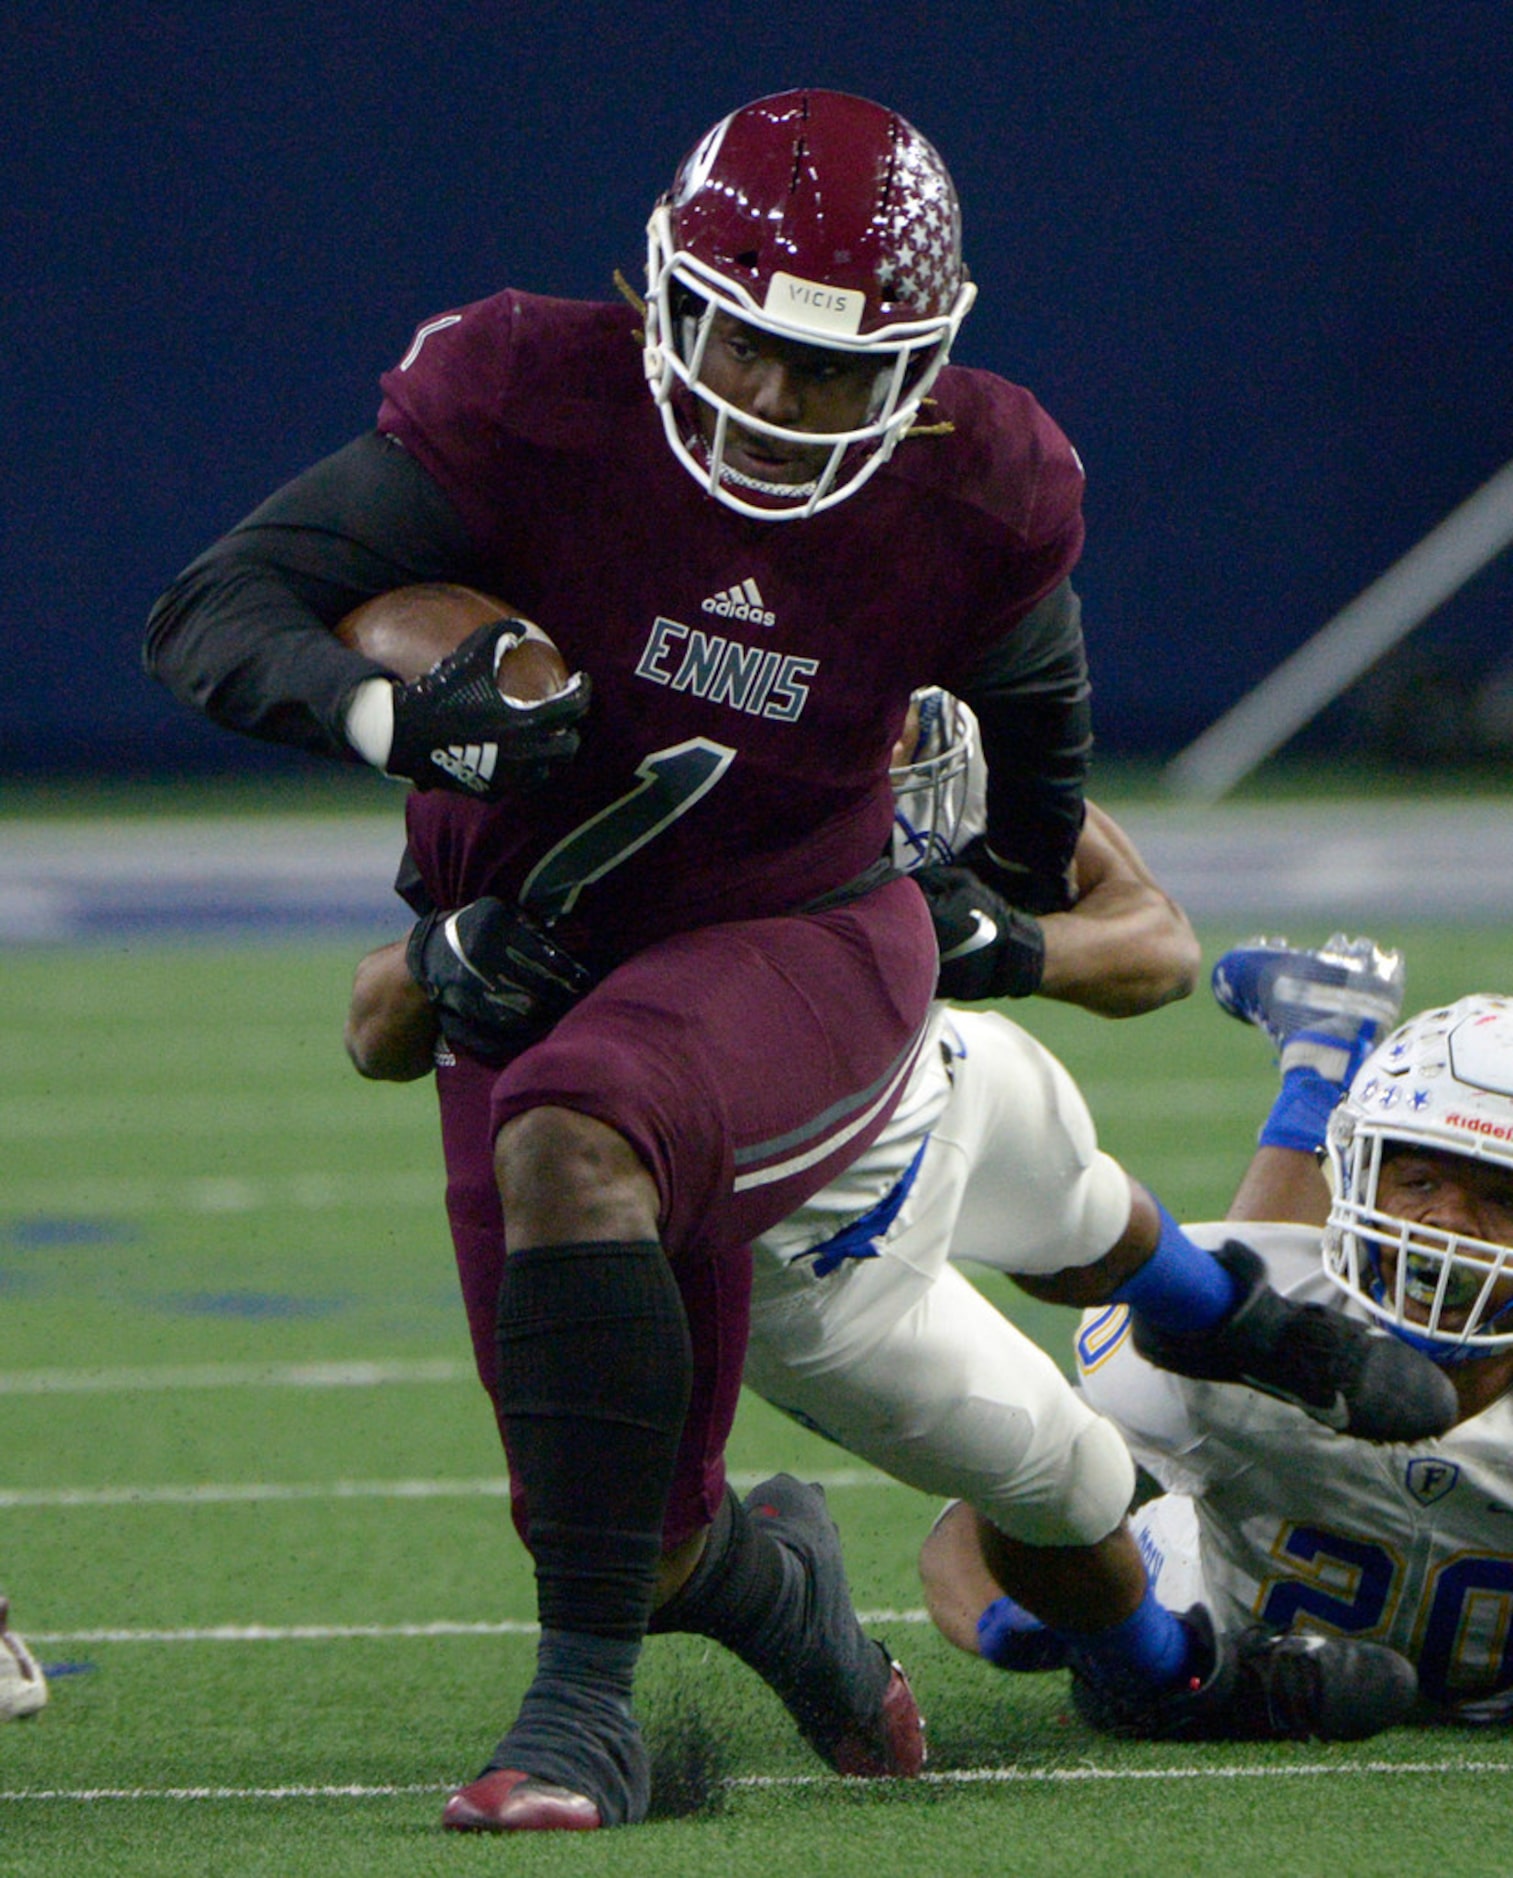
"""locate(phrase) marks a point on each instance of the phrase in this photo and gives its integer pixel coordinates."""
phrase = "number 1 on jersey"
(672, 781)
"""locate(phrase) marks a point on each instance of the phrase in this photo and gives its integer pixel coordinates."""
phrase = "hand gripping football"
(412, 628)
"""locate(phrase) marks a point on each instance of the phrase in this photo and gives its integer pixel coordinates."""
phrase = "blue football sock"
(1149, 1650)
(1299, 1117)
(1180, 1287)
(1008, 1636)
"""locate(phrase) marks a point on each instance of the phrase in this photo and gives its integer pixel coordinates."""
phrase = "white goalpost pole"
(1388, 610)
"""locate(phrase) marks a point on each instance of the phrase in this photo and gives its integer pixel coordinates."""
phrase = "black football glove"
(988, 949)
(453, 729)
(497, 981)
(1023, 887)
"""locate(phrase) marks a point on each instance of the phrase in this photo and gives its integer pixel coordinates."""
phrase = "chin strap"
(628, 293)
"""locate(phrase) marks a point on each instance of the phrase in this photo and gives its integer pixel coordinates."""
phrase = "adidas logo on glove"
(470, 764)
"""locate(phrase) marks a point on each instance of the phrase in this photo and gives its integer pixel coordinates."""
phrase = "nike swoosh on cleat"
(984, 932)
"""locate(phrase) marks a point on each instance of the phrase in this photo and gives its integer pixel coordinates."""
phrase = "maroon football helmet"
(826, 220)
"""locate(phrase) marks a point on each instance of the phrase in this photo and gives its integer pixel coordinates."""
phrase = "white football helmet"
(1442, 1081)
(824, 219)
(939, 794)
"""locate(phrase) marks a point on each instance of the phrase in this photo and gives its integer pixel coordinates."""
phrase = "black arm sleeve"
(1032, 699)
(244, 634)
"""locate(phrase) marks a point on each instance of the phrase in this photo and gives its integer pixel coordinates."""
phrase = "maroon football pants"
(747, 1065)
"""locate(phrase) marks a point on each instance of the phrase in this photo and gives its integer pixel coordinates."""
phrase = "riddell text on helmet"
(1479, 1125)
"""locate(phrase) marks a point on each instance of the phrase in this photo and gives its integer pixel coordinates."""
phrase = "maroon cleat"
(850, 1699)
(507, 1801)
(898, 1751)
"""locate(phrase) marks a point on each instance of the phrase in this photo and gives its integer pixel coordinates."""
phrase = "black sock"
(595, 1370)
(575, 1729)
(790, 1621)
(741, 1593)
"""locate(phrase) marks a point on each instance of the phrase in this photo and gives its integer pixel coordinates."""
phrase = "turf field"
(252, 1511)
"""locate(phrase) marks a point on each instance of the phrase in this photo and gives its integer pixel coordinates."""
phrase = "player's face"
(1453, 1194)
(782, 382)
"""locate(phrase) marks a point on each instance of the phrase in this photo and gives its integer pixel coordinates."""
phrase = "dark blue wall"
(1256, 260)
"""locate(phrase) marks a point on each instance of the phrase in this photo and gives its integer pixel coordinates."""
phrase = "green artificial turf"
(236, 1398)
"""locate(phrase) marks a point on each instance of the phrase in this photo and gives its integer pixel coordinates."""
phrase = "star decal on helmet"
(921, 263)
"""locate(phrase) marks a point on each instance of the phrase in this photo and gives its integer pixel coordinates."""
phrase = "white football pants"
(898, 1358)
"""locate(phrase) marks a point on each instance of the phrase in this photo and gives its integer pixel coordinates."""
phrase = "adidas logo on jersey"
(741, 602)
(471, 764)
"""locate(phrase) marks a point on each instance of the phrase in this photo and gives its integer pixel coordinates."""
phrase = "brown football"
(408, 630)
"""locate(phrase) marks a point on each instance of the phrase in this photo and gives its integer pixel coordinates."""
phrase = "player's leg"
(1200, 1313)
(575, 1757)
(594, 1378)
(753, 1575)
(700, 1087)
(917, 1372)
(765, 1579)
(1324, 1009)
(771, 1587)
(921, 1376)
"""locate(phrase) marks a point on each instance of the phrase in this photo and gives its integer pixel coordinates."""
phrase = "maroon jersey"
(749, 678)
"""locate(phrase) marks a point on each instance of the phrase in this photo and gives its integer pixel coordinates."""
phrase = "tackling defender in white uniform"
(864, 1328)
(1267, 1518)
(1411, 1545)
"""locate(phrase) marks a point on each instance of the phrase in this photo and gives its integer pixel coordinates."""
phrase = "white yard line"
(348, 1633)
(356, 1374)
(114, 1195)
(1298, 1770)
(247, 1492)
(970, 1776)
(290, 1633)
(253, 1492)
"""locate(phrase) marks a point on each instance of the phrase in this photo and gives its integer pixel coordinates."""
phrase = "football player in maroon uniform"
(754, 514)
